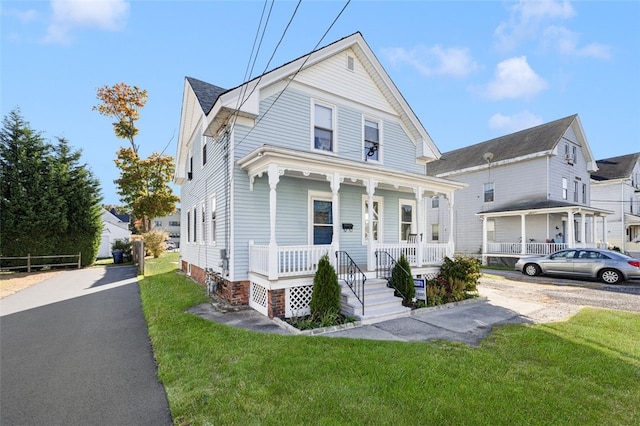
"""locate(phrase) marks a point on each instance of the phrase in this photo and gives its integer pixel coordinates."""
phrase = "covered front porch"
(355, 208)
(541, 228)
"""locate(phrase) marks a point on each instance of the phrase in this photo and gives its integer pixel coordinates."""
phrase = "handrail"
(349, 271)
(384, 269)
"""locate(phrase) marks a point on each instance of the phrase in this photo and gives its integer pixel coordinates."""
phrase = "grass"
(585, 371)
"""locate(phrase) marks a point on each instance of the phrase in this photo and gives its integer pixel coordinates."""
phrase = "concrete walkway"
(74, 350)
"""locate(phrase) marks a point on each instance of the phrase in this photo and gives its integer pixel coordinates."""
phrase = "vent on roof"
(350, 64)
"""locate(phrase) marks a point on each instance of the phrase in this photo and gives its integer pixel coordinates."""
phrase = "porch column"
(571, 236)
(523, 234)
(583, 224)
(594, 237)
(420, 230)
(451, 248)
(371, 188)
(274, 178)
(604, 232)
(484, 240)
(335, 181)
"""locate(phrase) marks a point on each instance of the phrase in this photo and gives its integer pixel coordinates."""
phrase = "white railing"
(432, 253)
(285, 261)
(530, 248)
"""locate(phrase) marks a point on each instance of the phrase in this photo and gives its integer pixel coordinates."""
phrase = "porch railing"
(515, 248)
(285, 261)
(385, 263)
(349, 272)
(431, 252)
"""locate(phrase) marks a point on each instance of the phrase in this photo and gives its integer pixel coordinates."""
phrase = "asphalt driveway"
(74, 350)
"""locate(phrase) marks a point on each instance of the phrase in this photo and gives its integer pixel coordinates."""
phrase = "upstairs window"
(489, 192)
(204, 150)
(584, 193)
(575, 191)
(565, 188)
(203, 218)
(188, 227)
(435, 202)
(323, 128)
(157, 223)
(371, 141)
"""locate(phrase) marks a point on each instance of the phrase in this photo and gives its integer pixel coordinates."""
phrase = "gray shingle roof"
(616, 167)
(207, 94)
(536, 139)
(531, 205)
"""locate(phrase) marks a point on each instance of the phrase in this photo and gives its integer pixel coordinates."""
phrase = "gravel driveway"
(561, 297)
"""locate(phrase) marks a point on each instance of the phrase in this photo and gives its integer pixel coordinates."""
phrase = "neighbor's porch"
(541, 231)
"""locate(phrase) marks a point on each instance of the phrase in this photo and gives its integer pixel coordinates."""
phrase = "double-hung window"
(435, 232)
(188, 226)
(203, 218)
(323, 128)
(489, 192)
(407, 219)
(371, 140)
(575, 191)
(435, 202)
(565, 188)
(584, 193)
(204, 150)
(195, 224)
(321, 220)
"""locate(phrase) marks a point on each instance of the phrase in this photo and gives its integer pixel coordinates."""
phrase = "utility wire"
(294, 75)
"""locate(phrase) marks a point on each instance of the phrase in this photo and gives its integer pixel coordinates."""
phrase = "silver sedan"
(609, 266)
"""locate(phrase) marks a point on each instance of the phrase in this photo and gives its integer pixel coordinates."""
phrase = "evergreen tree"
(325, 298)
(49, 203)
(403, 280)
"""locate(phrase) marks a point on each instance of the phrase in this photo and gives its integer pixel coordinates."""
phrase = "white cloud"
(566, 43)
(23, 16)
(514, 79)
(68, 14)
(436, 60)
(513, 123)
(527, 17)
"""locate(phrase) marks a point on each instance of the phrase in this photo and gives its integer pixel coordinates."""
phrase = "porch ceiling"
(542, 207)
(318, 166)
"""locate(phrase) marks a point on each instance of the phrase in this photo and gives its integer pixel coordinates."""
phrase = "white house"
(527, 193)
(113, 228)
(321, 155)
(616, 186)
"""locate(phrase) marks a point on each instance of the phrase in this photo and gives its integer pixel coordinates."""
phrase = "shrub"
(402, 280)
(462, 273)
(325, 298)
(154, 242)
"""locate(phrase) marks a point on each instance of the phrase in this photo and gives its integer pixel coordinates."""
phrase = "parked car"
(608, 266)
(169, 245)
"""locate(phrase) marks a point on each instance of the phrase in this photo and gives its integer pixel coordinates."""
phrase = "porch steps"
(379, 302)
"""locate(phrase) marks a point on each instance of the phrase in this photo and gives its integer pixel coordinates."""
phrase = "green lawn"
(585, 371)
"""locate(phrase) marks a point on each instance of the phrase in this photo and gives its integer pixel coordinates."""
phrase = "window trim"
(435, 202)
(334, 130)
(491, 230)
(364, 141)
(435, 231)
(412, 203)
(565, 188)
(376, 199)
(213, 220)
(317, 196)
(203, 223)
(485, 192)
(203, 151)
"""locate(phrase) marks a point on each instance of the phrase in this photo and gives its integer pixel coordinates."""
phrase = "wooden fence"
(30, 259)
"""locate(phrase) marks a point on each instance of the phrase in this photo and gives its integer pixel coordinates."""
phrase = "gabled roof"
(207, 94)
(542, 138)
(620, 167)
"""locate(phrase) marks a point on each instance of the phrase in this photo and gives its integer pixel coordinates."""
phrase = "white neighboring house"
(319, 156)
(112, 229)
(528, 193)
(616, 186)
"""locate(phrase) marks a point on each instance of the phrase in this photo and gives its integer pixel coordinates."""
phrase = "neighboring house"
(616, 186)
(319, 156)
(170, 224)
(113, 228)
(528, 193)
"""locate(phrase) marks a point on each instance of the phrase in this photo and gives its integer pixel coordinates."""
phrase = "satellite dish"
(488, 156)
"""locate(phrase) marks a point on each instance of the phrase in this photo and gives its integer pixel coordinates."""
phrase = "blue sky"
(471, 71)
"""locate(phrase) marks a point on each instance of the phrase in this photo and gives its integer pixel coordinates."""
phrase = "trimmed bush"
(154, 242)
(402, 280)
(325, 298)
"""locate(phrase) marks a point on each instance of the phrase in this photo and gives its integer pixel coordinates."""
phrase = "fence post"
(28, 262)
(79, 258)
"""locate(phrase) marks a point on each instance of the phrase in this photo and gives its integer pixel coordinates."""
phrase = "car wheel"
(531, 269)
(610, 276)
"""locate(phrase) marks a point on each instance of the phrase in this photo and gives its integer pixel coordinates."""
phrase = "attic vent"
(350, 65)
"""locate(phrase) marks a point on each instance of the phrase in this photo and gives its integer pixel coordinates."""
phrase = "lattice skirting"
(258, 298)
(297, 300)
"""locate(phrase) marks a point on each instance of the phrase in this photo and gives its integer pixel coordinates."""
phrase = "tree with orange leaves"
(143, 183)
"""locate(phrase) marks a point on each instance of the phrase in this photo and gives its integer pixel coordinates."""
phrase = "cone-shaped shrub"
(325, 298)
(403, 281)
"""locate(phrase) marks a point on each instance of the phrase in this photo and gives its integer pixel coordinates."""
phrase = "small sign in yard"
(421, 290)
